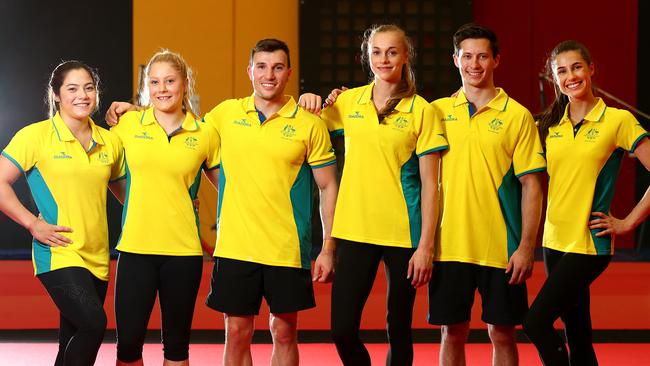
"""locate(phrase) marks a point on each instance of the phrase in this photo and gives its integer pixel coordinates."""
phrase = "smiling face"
(166, 87)
(476, 63)
(77, 96)
(387, 55)
(269, 73)
(572, 74)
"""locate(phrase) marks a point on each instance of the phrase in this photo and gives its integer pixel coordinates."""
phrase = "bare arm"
(314, 103)
(116, 110)
(421, 263)
(325, 178)
(213, 177)
(520, 265)
(12, 207)
(118, 188)
(614, 226)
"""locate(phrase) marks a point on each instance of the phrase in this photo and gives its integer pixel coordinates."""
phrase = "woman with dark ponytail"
(387, 203)
(68, 162)
(585, 142)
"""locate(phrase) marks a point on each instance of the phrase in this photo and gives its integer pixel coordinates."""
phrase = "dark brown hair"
(270, 45)
(475, 31)
(56, 81)
(553, 113)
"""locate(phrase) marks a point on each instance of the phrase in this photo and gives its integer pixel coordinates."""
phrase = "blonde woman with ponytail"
(166, 147)
(387, 204)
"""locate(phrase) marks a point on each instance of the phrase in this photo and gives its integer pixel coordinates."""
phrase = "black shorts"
(452, 289)
(237, 288)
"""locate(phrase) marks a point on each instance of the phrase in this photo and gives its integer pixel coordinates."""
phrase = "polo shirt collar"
(189, 122)
(288, 110)
(595, 115)
(405, 104)
(64, 133)
(499, 102)
(597, 112)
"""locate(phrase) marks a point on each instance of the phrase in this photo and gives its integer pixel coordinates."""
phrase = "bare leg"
(285, 339)
(452, 344)
(504, 345)
(239, 333)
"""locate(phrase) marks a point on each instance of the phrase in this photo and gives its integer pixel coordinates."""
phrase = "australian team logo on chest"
(592, 135)
(288, 131)
(103, 157)
(191, 142)
(495, 125)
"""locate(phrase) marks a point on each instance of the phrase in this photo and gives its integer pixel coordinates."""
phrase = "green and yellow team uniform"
(481, 192)
(69, 183)
(162, 180)
(582, 173)
(379, 197)
(265, 184)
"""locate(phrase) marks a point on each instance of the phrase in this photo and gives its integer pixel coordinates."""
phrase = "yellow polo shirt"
(379, 196)
(69, 183)
(583, 171)
(481, 193)
(163, 175)
(266, 185)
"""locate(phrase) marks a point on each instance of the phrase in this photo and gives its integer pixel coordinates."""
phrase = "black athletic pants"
(79, 296)
(565, 294)
(139, 278)
(356, 269)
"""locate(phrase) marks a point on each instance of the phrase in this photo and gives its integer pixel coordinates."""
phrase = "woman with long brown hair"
(585, 142)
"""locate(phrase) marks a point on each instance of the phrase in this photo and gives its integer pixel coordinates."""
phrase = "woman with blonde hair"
(387, 204)
(166, 147)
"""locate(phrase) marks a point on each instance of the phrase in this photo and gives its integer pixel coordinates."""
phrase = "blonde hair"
(407, 86)
(179, 64)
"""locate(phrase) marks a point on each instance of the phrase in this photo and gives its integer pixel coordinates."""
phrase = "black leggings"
(356, 269)
(176, 279)
(565, 294)
(79, 296)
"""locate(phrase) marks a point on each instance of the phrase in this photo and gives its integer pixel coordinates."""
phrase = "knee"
(238, 332)
(502, 336)
(94, 326)
(284, 330)
(284, 335)
(455, 334)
